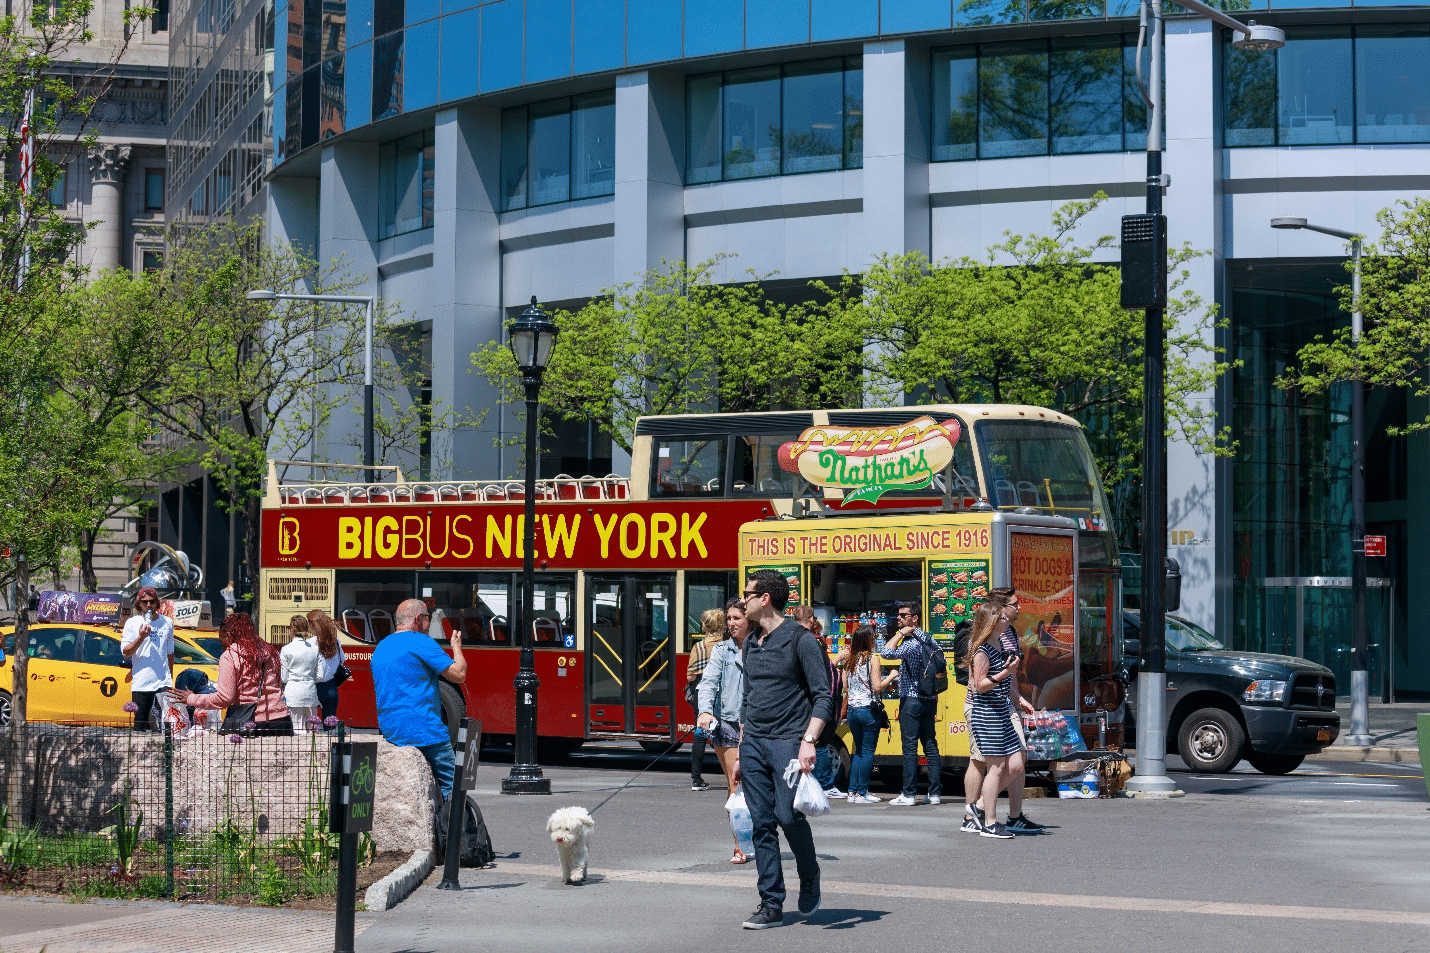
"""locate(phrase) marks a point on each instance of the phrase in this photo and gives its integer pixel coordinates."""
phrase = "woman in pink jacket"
(250, 682)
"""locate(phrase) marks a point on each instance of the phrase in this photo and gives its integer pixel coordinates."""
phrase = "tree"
(248, 379)
(1394, 349)
(1037, 321)
(675, 341)
(52, 459)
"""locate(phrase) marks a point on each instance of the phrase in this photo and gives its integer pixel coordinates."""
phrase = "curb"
(1382, 755)
(396, 886)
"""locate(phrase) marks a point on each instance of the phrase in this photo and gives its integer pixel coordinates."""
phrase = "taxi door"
(52, 651)
(102, 680)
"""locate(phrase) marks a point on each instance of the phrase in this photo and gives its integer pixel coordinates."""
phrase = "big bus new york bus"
(626, 566)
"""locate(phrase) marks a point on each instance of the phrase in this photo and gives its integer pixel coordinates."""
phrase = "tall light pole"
(1360, 688)
(264, 294)
(530, 338)
(1144, 287)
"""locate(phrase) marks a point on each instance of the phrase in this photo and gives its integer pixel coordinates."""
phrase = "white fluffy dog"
(570, 828)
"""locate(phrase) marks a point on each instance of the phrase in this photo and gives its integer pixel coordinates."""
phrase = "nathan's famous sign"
(868, 462)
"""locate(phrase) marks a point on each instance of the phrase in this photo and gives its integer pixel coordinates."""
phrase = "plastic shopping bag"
(809, 797)
(741, 824)
(174, 712)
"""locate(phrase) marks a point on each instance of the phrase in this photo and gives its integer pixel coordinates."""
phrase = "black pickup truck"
(1224, 705)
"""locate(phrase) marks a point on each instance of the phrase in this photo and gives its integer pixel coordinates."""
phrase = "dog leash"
(673, 745)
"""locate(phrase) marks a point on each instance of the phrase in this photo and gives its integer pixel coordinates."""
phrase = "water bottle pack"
(1051, 735)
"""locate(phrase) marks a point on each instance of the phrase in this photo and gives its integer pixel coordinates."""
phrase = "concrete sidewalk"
(1392, 733)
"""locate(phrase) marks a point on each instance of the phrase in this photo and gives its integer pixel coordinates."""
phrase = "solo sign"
(867, 462)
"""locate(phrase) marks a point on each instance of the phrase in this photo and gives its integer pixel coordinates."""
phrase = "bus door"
(630, 653)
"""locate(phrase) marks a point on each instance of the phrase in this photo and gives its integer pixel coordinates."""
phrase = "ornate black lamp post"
(530, 337)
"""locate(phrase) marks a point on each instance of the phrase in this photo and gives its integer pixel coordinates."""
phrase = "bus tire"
(659, 747)
(454, 708)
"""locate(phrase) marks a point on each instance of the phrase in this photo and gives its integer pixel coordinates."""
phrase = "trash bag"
(809, 797)
(742, 825)
(476, 841)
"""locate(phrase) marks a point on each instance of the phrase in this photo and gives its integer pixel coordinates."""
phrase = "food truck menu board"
(793, 576)
(956, 587)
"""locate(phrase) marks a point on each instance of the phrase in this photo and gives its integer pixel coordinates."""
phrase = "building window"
(1058, 96)
(406, 172)
(1340, 85)
(159, 22)
(152, 260)
(559, 150)
(775, 120)
(153, 190)
(57, 192)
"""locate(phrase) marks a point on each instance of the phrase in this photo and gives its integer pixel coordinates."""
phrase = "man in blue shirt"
(912, 646)
(405, 669)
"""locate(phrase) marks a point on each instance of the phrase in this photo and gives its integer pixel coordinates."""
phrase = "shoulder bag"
(876, 704)
(239, 714)
(342, 674)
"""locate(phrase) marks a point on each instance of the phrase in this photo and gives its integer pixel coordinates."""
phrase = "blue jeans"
(866, 739)
(444, 766)
(328, 698)
(824, 766)
(916, 716)
(771, 803)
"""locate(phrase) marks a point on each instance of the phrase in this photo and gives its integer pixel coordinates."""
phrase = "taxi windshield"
(191, 655)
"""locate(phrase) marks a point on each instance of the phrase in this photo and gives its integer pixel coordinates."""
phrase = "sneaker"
(933, 799)
(697, 784)
(970, 825)
(995, 830)
(809, 895)
(1021, 825)
(764, 918)
(865, 799)
(903, 800)
(834, 793)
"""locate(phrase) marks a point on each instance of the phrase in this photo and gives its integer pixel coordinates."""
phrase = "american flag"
(27, 143)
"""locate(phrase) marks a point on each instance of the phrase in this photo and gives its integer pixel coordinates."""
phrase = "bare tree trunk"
(16, 763)
(88, 579)
(252, 549)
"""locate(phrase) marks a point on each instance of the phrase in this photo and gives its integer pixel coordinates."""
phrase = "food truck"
(852, 566)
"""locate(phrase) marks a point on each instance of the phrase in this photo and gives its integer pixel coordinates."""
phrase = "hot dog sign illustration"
(867, 462)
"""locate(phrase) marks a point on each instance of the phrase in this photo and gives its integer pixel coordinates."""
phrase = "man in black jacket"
(787, 703)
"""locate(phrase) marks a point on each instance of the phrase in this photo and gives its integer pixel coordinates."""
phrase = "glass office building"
(462, 156)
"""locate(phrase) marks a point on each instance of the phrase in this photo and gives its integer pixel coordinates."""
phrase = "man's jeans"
(771, 802)
(916, 724)
(444, 768)
(824, 766)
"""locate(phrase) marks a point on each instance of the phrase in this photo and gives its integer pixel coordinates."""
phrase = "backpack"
(476, 841)
(961, 637)
(836, 691)
(933, 680)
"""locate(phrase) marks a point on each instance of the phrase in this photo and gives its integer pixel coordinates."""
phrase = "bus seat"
(312, 495)
(426, 493)
(617, 487)
(514, 491)
(1027, 493)
(546, 627)
(474, 627)
(356, 624)
(592, 488)
(448, 494)
(335, 494)
(469, 492)
(402, 494)
(380, 622)
(379, 494)
(501, 632)
(492, 493)
(357, 494)
(1006, 492)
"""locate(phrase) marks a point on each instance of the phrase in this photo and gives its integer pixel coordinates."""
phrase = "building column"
(650, 162)
(465, 299)
(1193, 209)
(896, 149)
(107, 167)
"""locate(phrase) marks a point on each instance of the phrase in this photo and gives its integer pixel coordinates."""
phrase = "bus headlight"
(1263, 691)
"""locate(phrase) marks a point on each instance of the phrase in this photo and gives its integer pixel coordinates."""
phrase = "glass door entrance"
(630, 652)
(1310, 617)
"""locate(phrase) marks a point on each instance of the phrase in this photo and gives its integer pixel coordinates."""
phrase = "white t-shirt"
(151, 660)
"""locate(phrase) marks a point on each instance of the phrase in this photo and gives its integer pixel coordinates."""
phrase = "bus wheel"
(454, 708)
(659, 747)
(842, 760)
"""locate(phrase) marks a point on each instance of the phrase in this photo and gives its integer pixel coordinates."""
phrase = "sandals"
(739, 857)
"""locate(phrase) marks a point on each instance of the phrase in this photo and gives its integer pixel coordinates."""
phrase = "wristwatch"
(809, 739)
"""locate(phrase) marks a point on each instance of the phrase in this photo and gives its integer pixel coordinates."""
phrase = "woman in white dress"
(300, 674)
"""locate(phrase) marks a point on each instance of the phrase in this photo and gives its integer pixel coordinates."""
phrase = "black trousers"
(143, 718)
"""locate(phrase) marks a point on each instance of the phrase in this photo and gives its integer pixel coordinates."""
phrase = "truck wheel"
(7, 709)
(1274, 763)
(1210, 740)
(454, 708)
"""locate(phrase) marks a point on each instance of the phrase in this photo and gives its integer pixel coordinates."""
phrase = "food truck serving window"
(1040, 464)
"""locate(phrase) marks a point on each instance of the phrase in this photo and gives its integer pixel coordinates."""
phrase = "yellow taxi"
(79, 675)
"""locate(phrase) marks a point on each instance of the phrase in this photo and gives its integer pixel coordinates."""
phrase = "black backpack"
(961, 637)
(476, 842)
(836, 691)
(933, 680)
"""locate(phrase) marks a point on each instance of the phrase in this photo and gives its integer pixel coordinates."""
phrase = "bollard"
(469, 746)
(353, 770)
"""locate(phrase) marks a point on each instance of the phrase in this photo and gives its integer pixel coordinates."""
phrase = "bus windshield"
(1041, 464)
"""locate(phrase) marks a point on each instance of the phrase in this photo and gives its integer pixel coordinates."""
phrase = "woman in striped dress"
(991, 719)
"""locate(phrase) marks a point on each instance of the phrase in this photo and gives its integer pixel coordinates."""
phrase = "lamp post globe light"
(1360, 689)
(530, 338)
(265, 294)
(1144, 287)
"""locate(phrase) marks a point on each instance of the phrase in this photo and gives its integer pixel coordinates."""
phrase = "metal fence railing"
(107, 811)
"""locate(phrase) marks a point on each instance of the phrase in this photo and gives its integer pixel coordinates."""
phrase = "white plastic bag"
(809, 797)
(741, 824)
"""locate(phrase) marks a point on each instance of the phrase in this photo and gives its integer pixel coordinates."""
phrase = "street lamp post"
(370, 302)
(530, 338)
(1148, 291)
(1360, 688)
